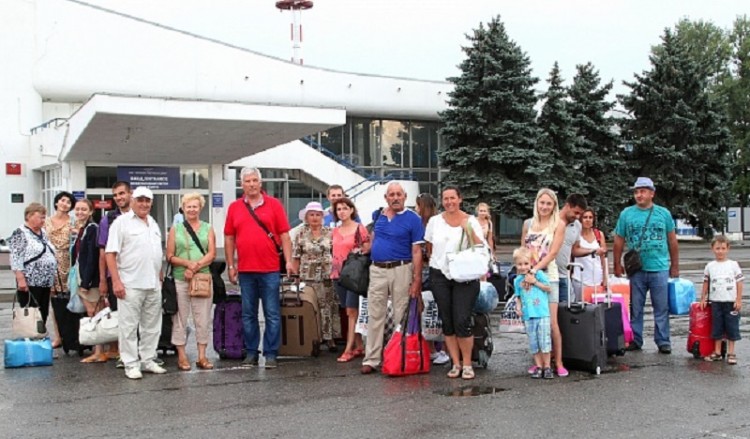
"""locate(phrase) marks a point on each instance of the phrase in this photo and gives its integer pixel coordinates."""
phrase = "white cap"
(143, 191)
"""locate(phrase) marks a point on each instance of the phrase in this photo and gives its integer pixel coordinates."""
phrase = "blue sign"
(732, 214)
(150, 177)
(217, 199)
(79, 195)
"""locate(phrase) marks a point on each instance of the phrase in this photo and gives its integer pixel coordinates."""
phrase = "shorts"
(554, 294)
(347, 299)
(725, 321)
(540, 338)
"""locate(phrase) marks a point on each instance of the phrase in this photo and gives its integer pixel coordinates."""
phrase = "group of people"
(119, 263)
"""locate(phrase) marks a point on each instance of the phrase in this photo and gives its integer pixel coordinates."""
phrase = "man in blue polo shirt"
(396, 269)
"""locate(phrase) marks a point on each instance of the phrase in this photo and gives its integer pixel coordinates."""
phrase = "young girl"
(533, 305)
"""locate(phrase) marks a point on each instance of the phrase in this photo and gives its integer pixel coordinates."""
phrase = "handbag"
(282, 259)
(407, 352)
(355, 273)
(471, 263)
(169, 293)
(28, 352)
(510, 321)
(201, 285)
(27, 320)
(100, 329)
(631, 260)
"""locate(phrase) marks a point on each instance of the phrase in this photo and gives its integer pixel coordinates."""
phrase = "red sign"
(12, 169)
(102, 204)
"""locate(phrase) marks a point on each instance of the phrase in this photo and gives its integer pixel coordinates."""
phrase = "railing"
(337, 158)
(397, 175)
(56, 122)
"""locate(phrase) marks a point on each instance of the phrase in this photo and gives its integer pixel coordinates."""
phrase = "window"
(51, 186)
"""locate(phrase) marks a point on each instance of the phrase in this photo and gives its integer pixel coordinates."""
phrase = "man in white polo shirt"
(134, 258)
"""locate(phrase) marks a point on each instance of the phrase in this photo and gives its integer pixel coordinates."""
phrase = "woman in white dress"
(591, 254)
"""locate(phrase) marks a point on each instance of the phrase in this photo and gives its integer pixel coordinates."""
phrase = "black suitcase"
(68, 324)
(614, 328)
(165, 338)
(584, 338)
(483, 346)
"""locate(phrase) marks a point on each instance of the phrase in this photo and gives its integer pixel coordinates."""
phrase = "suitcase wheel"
(243, 355)
(598, 370)
(316, 349)
(695, 349)
(484, 359)
(223, 354)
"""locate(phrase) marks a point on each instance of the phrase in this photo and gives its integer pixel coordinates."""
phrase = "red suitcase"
(699, 342)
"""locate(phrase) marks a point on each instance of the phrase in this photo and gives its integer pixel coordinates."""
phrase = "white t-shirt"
(592, 267)
(139, 251)
(722, 277)
(445, 239)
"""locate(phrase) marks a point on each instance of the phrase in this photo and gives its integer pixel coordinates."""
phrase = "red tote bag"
(407, 352)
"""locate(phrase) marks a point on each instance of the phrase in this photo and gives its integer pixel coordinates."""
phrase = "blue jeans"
(264, 287)
(563, 286)
(656, 283)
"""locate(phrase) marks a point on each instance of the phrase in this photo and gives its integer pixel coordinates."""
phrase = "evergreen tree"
(489, 128)
(603, 171)
(679, 135)
(559, 138)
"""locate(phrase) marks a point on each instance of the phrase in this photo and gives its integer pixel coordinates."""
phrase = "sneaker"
(547, 374)
(532, 369)
(537, 372)
(562, 372)
(134, 373)
(441, 358)
(152, 367)
(159, 361)
(271, 363)
(633, 347)
(665, 349)
(434, 355)
(119, 364)
(251, 361)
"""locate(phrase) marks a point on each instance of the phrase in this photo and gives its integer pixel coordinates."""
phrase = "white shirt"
(592, 266)
(445, 239)
(139, 251)
(723, 277)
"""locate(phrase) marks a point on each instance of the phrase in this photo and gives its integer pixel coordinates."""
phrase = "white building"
(89, 96)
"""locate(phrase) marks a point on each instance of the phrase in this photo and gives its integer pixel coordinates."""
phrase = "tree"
(597, 145)
(489, 128)
(558, 138)
(708, 45)
(679, 135)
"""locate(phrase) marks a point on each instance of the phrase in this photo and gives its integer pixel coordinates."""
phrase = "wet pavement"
(643, 394)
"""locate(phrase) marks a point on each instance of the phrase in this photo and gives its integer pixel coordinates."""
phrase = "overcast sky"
(422, 39)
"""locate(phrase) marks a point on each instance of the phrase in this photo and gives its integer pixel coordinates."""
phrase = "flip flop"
(95, 359)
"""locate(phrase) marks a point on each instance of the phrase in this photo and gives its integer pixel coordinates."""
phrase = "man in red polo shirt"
(257, 227)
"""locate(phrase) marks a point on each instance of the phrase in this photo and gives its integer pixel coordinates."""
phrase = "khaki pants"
(139, 313)
(201, 308)
(384, 282)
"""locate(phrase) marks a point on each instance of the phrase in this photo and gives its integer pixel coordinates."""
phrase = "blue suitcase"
(27, 352)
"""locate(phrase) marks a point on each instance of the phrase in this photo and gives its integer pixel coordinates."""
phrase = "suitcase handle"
(572, 266)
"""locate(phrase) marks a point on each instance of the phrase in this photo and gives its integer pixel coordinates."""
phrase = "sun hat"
(644, 182)
(312, 206)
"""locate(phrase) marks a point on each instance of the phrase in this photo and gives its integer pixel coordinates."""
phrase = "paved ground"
(643, 394)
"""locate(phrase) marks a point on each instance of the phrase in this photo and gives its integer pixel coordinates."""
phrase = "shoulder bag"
(355, 273)
(27, 320)
(471, 263)
(169, 293)
(282, 259)
(631, 260)
(201, 284)
(100, 329)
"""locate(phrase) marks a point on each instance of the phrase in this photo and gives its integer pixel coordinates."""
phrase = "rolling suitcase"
(483, 346)
(699, 342)
(68, 324)
(584, 339)
(229, 341)
(300, 321)
(613, 320)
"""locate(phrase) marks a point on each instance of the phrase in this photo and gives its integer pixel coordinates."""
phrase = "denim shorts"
(347, 299)
(554, 294)
(725, 321)
(540, 338)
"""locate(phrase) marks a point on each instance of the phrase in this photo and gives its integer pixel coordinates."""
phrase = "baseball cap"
(644, 182)
(143, 191)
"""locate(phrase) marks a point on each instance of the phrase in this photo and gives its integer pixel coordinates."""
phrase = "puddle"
(471, 391)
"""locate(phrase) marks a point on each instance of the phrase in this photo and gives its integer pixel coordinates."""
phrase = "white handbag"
(27, 320)
(469, 264)
(100, 329)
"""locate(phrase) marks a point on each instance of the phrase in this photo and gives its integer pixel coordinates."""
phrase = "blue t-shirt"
(328, 220)
(655, 246)
(535, 301)
(395, 237)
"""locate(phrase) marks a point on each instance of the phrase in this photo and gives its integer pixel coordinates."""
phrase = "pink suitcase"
(601, 298)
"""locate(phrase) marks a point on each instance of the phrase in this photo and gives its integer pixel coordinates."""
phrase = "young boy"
(532, 304)
(724, 279)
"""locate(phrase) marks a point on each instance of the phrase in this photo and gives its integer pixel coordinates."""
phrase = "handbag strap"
(643, 230)
(263, 226)
(189, 231)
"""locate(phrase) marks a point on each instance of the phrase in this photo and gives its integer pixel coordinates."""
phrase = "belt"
(390, 264)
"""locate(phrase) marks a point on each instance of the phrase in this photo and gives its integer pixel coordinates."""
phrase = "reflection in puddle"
(471, 391)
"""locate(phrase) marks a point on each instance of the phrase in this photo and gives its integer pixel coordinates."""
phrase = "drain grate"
(471, 391)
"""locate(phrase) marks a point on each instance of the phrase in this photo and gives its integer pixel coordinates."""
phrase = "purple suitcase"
(228, 335)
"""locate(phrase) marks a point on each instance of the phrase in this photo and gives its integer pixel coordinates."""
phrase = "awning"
(147, 130)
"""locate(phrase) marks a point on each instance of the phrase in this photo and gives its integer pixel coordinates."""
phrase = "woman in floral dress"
(58, 228)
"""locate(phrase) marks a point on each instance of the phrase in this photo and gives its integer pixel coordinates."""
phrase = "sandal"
(713, 357)
(358, 353)
(455, 371)
(204, 364)
(731, 359)
(95, 358)
(467, 373)
(183, 364)
(346, 357)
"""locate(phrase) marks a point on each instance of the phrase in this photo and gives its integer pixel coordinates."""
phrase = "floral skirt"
(328, 303)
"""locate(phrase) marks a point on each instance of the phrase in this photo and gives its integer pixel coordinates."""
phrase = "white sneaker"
(134, 373)
(441, 358)
(152, 367)
(434, 355)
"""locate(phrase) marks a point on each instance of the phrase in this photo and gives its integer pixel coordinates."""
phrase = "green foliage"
(708, 45)
(679, 135)
(602, 170)
(489, 128)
